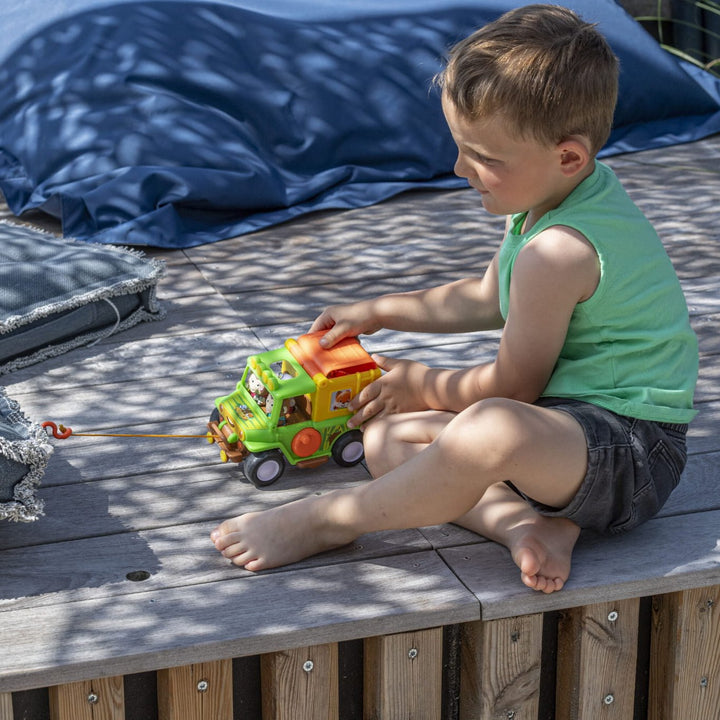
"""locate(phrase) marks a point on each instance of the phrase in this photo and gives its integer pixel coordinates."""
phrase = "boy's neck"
(534, 214)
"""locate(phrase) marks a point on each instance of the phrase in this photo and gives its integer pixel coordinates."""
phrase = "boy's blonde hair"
(548, 73)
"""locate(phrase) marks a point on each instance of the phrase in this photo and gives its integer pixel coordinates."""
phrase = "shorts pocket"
(653, 484)
(666, 465)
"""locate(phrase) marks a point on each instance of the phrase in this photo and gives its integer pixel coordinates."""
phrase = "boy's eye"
(482, 158)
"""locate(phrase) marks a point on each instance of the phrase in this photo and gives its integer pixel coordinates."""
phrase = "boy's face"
(511, 174)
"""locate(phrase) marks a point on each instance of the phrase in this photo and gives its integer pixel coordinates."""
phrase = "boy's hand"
(399, 390)
(343, 321)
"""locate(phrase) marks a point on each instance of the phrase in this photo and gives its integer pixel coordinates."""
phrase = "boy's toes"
(530, 580)
(253, 565)
(549, 585)
(540, 583)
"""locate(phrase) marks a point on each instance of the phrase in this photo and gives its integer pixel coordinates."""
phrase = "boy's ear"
(574, 155)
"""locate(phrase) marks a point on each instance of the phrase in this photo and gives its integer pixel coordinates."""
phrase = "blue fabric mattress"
(175, 123)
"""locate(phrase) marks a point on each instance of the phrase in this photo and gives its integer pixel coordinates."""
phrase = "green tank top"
(629, 348)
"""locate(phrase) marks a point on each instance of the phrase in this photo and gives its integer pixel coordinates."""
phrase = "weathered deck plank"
(210, 620)
(113, 506)
(423, 232)
(597, 660)
(685, 657)
(403, 677)
(665, 555)
(157, 559)
(501, 664)
(301, 684)
(71, 701)
(196, 692)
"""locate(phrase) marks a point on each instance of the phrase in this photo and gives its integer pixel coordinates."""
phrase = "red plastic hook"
(57, 432)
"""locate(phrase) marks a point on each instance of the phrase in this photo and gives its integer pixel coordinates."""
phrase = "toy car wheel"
(348, 449)
(264, 468)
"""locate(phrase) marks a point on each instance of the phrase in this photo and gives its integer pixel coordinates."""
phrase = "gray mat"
(58, 294)
(24, 454)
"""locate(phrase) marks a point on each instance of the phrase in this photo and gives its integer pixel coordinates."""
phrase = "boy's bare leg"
(542, 451)
(389, 443)
(540, 546)
(392, 440)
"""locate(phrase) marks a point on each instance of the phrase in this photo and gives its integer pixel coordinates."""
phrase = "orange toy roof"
(347, 357)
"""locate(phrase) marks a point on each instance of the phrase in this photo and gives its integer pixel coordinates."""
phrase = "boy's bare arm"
(461, 306)
(552, 274)
(558, 269)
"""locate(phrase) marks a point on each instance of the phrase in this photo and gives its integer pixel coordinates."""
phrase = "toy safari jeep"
(291, 405)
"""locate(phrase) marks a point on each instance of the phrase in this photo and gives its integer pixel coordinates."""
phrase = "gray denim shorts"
(633, 466)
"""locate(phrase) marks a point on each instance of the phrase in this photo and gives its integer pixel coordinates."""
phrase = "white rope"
(113, 329)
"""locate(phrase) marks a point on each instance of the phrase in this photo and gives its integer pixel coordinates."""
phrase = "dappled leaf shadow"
(138, 129)
(189, 128)
(41, 563)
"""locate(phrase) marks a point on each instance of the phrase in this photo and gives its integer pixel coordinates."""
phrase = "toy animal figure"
(285, 412)
(341, 399)
(257, 390)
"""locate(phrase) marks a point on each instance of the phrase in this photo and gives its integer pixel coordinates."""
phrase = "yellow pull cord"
(77, 434)
(61, 432)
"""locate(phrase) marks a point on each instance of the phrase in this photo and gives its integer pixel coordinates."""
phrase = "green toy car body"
(291, 406)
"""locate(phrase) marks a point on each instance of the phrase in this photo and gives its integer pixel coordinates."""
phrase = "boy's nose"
(461, 168)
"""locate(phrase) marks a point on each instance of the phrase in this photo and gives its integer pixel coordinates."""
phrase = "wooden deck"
(115, 605)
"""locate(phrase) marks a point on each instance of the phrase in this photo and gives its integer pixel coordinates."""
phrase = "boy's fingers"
(368, 393)
(366, 404)
(321, 322)
(385, 363)
(330, 338)
(365, 413)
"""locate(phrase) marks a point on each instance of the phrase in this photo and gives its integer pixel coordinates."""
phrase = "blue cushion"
(137, 129)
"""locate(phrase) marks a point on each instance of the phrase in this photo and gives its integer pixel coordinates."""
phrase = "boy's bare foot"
(542, 549)
(282, 535)
(540, 546)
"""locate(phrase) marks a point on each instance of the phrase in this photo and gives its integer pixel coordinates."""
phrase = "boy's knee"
(375, 436)
(374, 431)
(496, 415)
(490, 429)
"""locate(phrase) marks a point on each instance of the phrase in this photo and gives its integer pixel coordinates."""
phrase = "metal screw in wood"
(412, 653)
(703, 682)
(203, 686)
(92, 698)
(308, 665)
(613, 615)
(609, 699)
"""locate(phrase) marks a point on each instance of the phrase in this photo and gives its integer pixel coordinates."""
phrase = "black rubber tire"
(264, 468)
(348, 450)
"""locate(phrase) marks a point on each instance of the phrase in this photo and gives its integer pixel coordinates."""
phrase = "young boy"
(580, 420)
